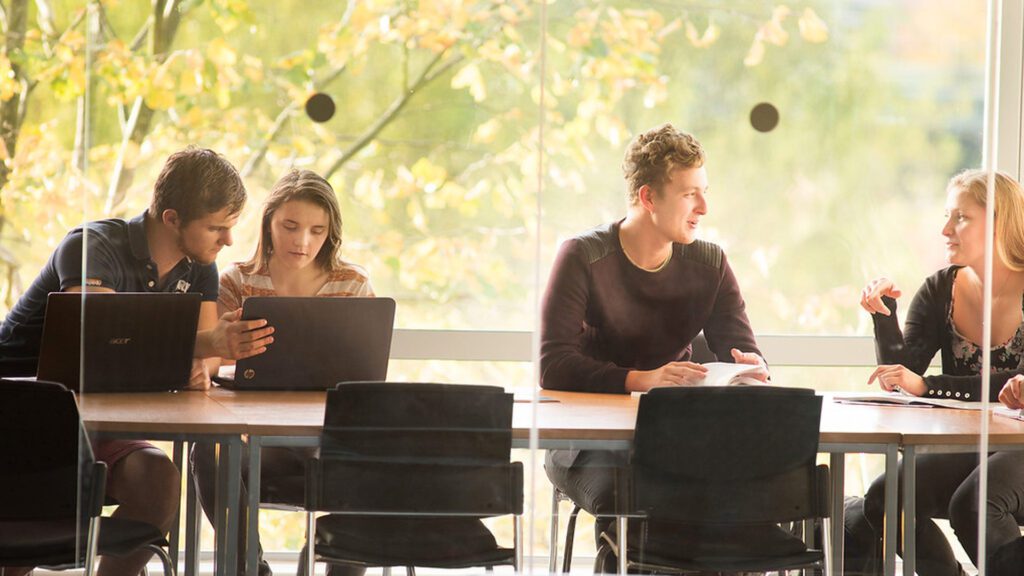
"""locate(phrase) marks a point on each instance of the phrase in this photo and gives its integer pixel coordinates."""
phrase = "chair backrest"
(45, 466)
(416, 448)
(728, 455)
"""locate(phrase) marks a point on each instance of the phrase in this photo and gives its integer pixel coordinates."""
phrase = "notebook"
(318, 342)
(134, 342)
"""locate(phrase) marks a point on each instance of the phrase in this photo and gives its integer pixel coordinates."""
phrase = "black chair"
(407, 471)
(714, 470)
(52, 489)
(700, 354)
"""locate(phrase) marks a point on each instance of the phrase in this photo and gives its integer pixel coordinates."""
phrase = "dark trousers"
(947, 487)
(594, 480)
(588, 478)
(282, 481)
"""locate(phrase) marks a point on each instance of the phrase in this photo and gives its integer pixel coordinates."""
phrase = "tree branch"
(426, 76)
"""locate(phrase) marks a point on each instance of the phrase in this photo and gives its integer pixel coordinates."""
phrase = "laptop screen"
(318, 342)
(132, 342)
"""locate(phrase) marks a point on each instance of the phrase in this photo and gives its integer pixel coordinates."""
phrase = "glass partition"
(463, 142)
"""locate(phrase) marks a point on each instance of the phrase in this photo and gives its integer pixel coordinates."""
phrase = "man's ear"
(170, 218)
(645, 195)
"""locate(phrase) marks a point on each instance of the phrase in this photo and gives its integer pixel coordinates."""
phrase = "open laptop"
(318, 342)
(134, 342)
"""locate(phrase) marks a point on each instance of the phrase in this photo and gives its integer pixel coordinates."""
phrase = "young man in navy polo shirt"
(171, 247)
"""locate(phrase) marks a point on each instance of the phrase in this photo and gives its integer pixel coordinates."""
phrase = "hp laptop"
(133, 342)
(318, 342)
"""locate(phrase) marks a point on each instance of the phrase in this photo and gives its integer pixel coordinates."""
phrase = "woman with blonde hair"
(946, 315)
(298, 254)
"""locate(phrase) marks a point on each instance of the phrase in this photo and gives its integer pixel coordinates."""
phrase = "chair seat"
(437, 542)
(689, 542)
(728, 564)
(53, 542)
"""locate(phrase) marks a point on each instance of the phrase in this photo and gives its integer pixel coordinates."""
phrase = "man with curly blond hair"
(626, 300)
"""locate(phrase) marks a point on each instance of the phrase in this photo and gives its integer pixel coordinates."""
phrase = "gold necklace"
(657, 268)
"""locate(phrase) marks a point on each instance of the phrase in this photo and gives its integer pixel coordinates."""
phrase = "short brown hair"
(299, 185)
(653, 155)
(195, 182)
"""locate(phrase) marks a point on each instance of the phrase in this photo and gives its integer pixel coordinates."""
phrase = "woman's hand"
(671, 374)
(871, 295)
(897, 377)
(1010, 395)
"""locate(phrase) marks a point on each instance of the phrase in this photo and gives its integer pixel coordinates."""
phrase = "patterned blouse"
(235, 286)
(967, 354)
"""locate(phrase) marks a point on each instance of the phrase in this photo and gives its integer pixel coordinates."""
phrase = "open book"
(727, 374)
(901, 399)
(1008, 412)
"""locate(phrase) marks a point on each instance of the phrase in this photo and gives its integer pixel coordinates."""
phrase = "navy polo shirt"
(117, 258)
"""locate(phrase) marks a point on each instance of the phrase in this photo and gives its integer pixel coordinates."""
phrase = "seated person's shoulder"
(703, 252)
(593, 244)
(350, 271)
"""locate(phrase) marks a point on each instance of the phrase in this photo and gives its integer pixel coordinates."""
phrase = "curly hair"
(653, 155)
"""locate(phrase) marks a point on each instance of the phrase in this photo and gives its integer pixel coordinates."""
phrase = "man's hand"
(234, 338)
(871, 295)
(751, 358)
(896, 376)
(671, 374)
(1010, 395)
(199, 379)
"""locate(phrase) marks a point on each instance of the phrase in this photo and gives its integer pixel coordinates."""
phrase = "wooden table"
(942, 431)
(181, 416)
(575, 420)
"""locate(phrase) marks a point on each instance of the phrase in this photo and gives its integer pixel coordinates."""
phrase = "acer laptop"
(318, 342)
(133, 342)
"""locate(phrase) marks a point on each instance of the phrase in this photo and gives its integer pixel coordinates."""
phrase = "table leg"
(175, 539)
(253, 515)
(623, 544)
(891, 509)
(909, 511)
(229, 478)
(192, 526)
(838, 481)
(234, 494)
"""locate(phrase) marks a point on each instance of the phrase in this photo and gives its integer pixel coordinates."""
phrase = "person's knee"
(963, 511)
(148, 484)
(874, 505)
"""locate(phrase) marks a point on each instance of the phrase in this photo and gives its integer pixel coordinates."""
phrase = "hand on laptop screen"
(234, 338)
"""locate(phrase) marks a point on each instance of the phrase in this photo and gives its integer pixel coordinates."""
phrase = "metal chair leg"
(553, 543)
(165, 559)
(570, 537)
(178, 453)
(310, 543)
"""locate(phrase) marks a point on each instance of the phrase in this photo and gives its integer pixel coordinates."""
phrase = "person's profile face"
(298, 230)
(680, 204)
(203, 238)
(964, 229)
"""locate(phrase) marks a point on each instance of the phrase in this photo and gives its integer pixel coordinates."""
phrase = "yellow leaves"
(470, 77)
(161, 92)
(220, 53)
(9, 85)
(812, 28)
(711, 33)
(487, 132)
(190, 82)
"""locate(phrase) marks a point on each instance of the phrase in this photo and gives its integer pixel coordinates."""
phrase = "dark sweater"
(602, 316)
(925, 332)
